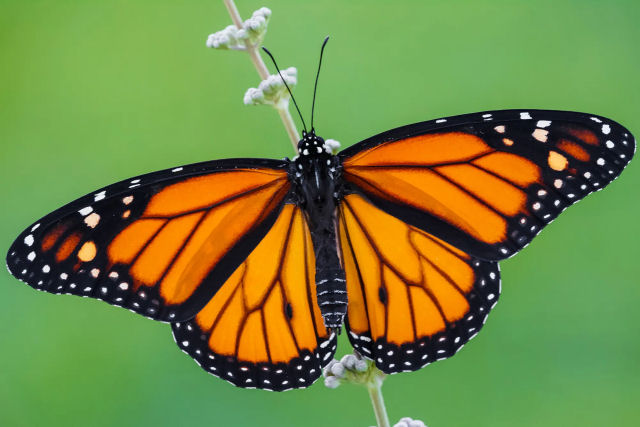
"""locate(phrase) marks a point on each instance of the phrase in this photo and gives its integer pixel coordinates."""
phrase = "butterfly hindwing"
(263, 329)
(487, 183)
(149, 243)
(413, 298)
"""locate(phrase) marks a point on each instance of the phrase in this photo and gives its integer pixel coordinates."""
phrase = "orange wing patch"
(427, 149)
(574, 150)
(476, 193)
(263, 328)
(188, 227)
(413, 298)
(50, 239)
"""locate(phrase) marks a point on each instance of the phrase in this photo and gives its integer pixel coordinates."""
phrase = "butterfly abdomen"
(331, 286)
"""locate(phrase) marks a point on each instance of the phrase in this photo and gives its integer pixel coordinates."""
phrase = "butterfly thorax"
(315, 173)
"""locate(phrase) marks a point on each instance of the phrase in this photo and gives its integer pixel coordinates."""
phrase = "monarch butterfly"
(256, 263)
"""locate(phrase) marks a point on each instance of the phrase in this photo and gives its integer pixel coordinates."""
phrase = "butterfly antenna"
(315, 87)
(287, 86)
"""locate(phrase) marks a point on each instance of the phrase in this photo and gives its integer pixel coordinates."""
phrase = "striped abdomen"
(331, 286)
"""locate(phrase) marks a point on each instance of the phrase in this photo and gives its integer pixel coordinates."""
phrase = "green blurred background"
(92, 92)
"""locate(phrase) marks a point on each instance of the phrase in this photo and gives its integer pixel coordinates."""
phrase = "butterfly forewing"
(487, 183)
(263, 328)
(413, 298)
(150, 243)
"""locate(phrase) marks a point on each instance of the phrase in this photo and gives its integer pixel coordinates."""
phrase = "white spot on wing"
(176, 169)
(543, 123)
(28, 240)
(99, 196)
(525, 116)
(85, 211)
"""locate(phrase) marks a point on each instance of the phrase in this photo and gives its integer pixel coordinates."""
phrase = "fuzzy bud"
(331, 382)
(252, 32)
(331, 146)
(272, 90)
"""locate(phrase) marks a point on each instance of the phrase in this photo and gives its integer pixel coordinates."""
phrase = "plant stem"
(375, 393)
(258, 63)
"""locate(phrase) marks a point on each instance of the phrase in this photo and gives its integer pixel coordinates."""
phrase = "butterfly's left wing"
(159, 244)
(487, 183)
(263, 329)
(413, 298)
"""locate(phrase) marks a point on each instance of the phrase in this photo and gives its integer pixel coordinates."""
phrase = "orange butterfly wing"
(263, 328)
(413, 298)
(487, 183)
(160, 244)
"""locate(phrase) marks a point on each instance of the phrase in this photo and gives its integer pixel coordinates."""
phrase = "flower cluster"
(351, 368)
(272, 90)
(252, 33)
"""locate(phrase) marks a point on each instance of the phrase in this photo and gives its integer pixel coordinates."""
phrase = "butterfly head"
(311, 145)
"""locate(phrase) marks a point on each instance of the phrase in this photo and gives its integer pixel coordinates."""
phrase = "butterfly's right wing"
(488, 182)
(413, 298)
